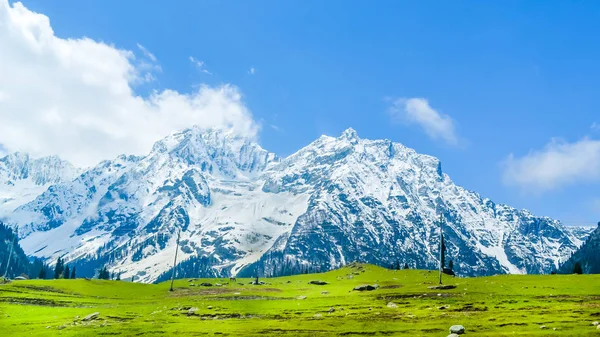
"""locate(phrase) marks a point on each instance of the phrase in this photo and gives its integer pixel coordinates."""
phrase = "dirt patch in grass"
(470, 307)
(39, 302)
(44, 289)
(512, 324)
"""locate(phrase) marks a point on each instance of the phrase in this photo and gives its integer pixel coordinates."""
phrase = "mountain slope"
(588, 255)
(23, 178)
(241, 209)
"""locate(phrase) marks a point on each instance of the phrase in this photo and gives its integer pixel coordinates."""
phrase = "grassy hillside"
(488, 306)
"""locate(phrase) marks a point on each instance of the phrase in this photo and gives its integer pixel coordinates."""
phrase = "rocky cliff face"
(242, 209)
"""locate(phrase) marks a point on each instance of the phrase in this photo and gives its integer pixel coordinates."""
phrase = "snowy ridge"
(241, 209)
(23, 178)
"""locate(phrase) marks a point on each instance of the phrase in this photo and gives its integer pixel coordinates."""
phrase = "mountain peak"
(349, 134)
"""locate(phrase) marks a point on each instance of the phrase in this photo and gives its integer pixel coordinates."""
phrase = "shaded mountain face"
(588, 256)
(13, 261)
(23, 178)
(241, 209)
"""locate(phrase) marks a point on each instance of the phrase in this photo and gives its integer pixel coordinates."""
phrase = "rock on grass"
(457, 329)
(91, 316)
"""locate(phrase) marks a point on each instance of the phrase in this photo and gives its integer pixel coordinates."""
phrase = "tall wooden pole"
(175, 261)
(441, 246)
(11, 251)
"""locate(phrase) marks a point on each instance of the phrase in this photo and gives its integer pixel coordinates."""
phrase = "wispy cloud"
(595, 126)
(200, 65)
(436, 125)
(558, 164)
(275, 127)
(252, 71)
(146, 52)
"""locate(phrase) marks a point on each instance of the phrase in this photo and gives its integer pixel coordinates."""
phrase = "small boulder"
(457, 329)
(301, 297)
(598, 327)
(318, 316)
(324, 292)
(218, 285)
(332, 309)
(319, 283)
(595, 323)
(192, 311)
(91, 316)
(392, 305)
(206, 284)
(543, 327)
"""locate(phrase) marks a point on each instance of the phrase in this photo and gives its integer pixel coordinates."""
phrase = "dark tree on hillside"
(42, 274)
(73, 275)
(119, 276)
(450, 265)
(104, 274)
(405, 265)
(397, 265)
(67, 272)
(59, 268)
(577, 268)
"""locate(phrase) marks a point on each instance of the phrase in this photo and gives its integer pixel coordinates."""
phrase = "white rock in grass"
(457, 329)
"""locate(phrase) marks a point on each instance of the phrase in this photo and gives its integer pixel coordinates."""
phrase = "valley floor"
(403, 305)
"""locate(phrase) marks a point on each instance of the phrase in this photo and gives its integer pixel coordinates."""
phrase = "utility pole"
(11, 251)
(175, 262)
(441, 245)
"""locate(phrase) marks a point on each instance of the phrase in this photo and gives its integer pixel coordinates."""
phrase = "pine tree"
(67, 272)
(450, 265)
(119, 276)
(42, 274)
(405, 265)
(59, 268)
(73, 275)
(577, 268)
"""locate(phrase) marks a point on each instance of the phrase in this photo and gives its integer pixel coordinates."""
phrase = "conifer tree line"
(61, 270)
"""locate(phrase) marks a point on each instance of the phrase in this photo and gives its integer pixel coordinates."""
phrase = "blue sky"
(509, 77)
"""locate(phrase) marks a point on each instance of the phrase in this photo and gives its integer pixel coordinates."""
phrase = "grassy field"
(403, 305)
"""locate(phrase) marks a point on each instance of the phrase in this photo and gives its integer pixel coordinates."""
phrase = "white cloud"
(558, 164)
(200, 65)
(252, 71)
(595, 126)
(417, 111)
(74, 97)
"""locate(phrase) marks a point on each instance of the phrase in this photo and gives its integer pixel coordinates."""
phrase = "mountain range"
(242, 210)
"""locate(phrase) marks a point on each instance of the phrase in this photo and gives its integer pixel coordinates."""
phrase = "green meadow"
(402, 305)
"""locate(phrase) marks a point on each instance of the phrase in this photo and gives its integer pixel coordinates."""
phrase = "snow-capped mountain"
(242, 209)
(23, 178)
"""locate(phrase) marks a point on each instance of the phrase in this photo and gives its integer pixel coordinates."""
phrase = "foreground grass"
(487, 306)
